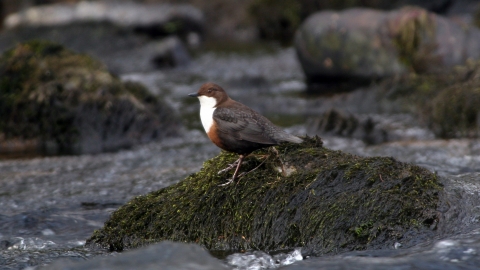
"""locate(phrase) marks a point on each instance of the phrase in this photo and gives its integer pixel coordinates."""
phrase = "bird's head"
(210, 95)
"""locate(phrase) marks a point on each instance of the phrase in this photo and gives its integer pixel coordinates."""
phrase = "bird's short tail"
(291, 138)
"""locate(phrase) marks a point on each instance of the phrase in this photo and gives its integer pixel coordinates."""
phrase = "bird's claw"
(226, 183)
(229, 167)
(236, 163)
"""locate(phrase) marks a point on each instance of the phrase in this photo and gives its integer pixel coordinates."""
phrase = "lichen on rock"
(69, 102)
(328, 201)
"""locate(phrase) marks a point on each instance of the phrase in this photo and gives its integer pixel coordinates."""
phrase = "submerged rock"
(165, 255)
(454, 253)
(69, 103)
(322, 200)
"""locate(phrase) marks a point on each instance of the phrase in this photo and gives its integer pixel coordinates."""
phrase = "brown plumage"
(235, 127)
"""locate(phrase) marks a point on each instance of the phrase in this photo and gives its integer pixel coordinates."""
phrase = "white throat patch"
(207, 107)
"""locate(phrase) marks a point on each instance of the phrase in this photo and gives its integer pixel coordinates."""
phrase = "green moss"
(476, 17)
(31, 75)
(43, 86)
(455, 112)
(276, 19)
(449, 104)
(414, 35)
(329, 201)
(140, 92)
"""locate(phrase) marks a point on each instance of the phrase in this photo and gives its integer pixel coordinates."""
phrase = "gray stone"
(360, 45)
(117, 12)
(69, 103)
(128, 37)
(346, 44)
(166, 53)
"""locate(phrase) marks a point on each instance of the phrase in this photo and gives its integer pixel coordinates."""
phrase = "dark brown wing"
(244, 124)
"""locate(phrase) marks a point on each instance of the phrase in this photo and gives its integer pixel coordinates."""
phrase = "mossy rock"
(414, 31)
(449, 104)
(336, 48)
(453, 107)
(325, 201)
(278, 19)
(71, 103)
(476, 17)
(456, 112)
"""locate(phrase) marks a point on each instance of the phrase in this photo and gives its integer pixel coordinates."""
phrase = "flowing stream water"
(50, 205)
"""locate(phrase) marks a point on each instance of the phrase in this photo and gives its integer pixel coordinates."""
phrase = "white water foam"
(257, 260)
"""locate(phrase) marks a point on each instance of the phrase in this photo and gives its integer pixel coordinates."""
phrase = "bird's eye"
(209, 90)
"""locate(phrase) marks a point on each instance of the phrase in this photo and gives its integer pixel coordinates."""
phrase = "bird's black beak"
(193, 95)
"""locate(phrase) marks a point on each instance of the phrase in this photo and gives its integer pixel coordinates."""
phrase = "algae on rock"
(70, 103)
(328, 201)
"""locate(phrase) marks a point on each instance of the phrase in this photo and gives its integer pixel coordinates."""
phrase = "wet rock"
(127, 37)
(369, 128)
(122, 50)
(152, 19)
(437, 6)
(346, 47)
(279, 19)
(456, 110)
(4, 244)
(166, 255)
(336, 123)
(69, 103)
(166, 53)
(359, 45)
(322, 200)
(457, 252)
(448, 104)
(438, 43)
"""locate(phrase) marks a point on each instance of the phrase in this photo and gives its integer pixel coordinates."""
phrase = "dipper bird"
(235, 127)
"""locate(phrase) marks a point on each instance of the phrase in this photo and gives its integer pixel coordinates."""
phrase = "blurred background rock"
(269, 19)
(340, 46)
(371, 77)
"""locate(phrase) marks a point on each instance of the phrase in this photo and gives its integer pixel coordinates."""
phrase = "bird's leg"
(236, 171)
(245, 173)
(229, 167)
(275, 151)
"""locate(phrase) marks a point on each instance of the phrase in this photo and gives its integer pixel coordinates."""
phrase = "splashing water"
(260, 260)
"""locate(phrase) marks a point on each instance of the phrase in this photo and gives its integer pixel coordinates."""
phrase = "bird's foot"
(229, 167)
(243, 174)
(254, 169)
(226, 183)
(237, 163)
(233, 179)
